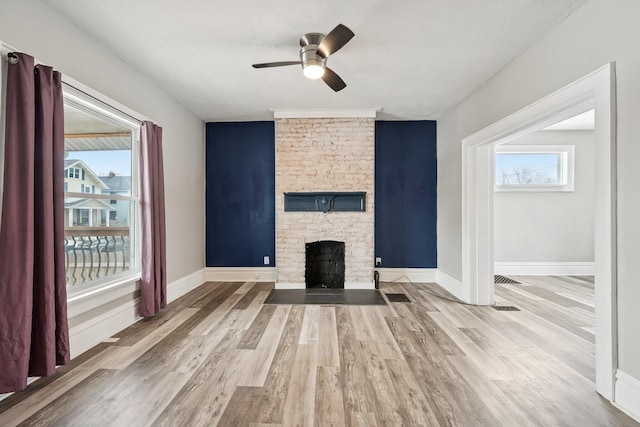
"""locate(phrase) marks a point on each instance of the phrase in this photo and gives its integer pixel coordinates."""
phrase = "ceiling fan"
(315, 48)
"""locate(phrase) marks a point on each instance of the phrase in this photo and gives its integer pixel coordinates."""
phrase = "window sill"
(93, 296)
(534, 189)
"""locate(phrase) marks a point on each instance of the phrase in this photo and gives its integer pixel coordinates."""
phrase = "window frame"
(566, 172)
(74, 170)
(98, 108)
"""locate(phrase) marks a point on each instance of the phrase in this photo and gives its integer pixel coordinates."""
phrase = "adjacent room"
(329, 213)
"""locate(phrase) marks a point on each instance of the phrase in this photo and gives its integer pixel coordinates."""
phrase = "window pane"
(528, 169)
(98, 236)
(94, 250)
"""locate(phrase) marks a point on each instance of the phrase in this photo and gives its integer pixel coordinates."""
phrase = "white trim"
(596, 90)
(452, 285)
(321, 114)
(97, 296)
(5, 49)
(284, 285)
(546, 268)
(80, 91)
(184, 285)
(85, 335)
(628, 394)
(423, 275)
(240, 274)
(567, 155)
(81, 101)
(419, 275)
(360, 285)
(82, 88)
(98, 196)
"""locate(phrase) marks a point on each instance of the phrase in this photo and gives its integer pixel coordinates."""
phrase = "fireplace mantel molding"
(303, 113)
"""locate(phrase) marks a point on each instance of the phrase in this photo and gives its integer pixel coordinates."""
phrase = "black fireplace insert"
(324, 267)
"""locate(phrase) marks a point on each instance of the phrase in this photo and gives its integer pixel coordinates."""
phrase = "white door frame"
(596, 90)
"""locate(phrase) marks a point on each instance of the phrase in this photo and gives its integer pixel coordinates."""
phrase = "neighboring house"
(79, 178)
(120, 186)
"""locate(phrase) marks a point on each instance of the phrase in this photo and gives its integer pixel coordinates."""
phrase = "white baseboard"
(87, 334)
(627, 394)
(360, 285)
(240, 274)
(284, 285)
(423, 275)
(452, 285)
(418, 275)
(545, 268)
(183, 286)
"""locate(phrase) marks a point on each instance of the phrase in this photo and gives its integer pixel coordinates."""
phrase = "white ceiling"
(415, 59)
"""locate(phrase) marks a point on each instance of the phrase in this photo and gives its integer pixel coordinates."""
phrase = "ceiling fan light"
(313, 71)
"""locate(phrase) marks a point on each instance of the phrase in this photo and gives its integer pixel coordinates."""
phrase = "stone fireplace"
(325, 155)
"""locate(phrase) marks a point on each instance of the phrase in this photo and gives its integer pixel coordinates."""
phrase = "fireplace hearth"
(324, 264)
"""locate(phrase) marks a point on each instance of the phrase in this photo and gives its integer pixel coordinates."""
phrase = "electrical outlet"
(266, 260)
(378, 260)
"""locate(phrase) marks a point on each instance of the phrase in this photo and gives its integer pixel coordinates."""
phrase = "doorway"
(594, 91)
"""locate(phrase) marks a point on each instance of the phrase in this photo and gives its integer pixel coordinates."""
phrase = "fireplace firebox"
(324, 267)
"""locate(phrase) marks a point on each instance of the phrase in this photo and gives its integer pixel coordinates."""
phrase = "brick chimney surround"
(316, 154)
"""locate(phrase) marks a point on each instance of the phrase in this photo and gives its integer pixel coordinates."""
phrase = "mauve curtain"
(34, 334)
(153, 287)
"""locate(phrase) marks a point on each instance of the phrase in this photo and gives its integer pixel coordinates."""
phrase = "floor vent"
(397, 298)
(503, 279)
(505, 308)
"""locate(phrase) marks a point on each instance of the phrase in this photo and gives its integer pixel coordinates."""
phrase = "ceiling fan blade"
(276, 64)
(333, 80)
(334, 41)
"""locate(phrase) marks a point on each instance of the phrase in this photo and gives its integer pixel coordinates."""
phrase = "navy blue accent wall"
(240, 194)
(405, 205)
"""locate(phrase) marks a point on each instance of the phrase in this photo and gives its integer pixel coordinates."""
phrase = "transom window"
(534, 167)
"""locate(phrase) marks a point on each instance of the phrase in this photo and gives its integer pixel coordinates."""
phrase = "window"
(74, 173)
(534, 167)
(101, 150)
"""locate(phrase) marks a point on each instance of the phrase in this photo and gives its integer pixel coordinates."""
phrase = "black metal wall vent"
(325, 202)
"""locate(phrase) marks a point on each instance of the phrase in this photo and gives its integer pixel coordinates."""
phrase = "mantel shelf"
(330, 201)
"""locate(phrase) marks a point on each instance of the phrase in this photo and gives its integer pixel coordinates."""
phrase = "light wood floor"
(218, 356)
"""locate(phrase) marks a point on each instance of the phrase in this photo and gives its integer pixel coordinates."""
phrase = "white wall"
(33, 27)
(599, 32)
(555, 227)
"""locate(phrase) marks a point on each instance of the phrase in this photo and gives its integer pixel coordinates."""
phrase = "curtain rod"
(135, 119)
(7, 50)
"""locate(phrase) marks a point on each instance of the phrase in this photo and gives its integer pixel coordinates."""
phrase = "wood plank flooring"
(219, 356)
